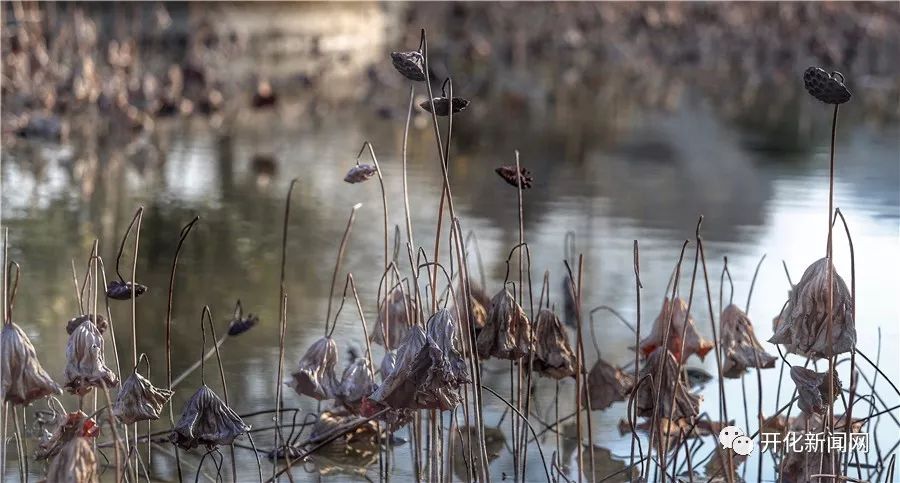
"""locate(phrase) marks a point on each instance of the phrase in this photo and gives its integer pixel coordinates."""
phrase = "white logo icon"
(742, 445)
(728, 434)
(734, 438)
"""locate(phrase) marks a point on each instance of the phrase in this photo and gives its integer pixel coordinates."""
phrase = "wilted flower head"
(207, 420)
(360, 173)
(606, 385)
(675, 312)
(803, 328)
(553, 356)
(66, 428)
(508, 173)
(826, 87)
(99, 321)
(315, 374)
(387, 364)
(410, 64)
(23, 378)
(442, 105)
(507, 333)
(393, 318)
(740, 347)
(357, 383)
(687, 404)
(121, 290)
(812, 389)
(139, 400)
(76, 463)
(85, 365)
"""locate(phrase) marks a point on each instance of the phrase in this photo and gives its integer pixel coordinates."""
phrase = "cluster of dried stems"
(438, 337)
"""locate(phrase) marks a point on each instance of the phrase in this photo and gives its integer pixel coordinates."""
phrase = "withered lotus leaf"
(139, 400)
(75, 463)
(812, 389)
(23, 378)
(410, 64)
(606, 385)
(357, 383)
(398, 390)
(740, 347)
(677, 313)
(429, 368)
(393, 319)
(85, 364)
(120, 290)
(388, 362)
(478, 306)
(331, 423)
(507, 333)
(800, 466)
(99, 321)
(553, 356)
(65, 428)
(803, 328)
(207, 420)
(687, 404)
(360, 173)
(315, 373)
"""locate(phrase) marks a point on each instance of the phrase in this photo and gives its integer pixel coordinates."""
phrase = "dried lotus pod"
(826, 87)
(606, 384)
(240, 324)
(553, 356)
(75, 463)
(360, 173)
(85, 364)
(410, 64)
(507, 333)
(357, 383)
(315, 373)
(206, 420)
(388, 362)
(22, 377)
(687, 404)
(508, 173)
(740, 348)
(812, 389)
(676, 312)
(139, 400)
(393, 319)
(121, 290)
(803, 328)
(66, 427)
(99, 321)
(442, 105)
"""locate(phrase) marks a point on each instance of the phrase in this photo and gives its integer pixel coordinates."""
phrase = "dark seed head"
(442, 105)
(120, 290)
(360, 173)
(241, 325)
(508, 173)
(828, 88)
(409, 64)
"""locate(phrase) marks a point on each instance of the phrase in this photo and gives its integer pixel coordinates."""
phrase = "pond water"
(631, 174)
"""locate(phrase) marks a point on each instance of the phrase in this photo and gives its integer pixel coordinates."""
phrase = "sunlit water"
(648, 178)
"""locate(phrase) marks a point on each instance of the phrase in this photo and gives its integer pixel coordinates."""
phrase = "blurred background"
(635, 119)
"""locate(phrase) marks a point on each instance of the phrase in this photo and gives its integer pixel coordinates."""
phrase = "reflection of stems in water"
(524, 420)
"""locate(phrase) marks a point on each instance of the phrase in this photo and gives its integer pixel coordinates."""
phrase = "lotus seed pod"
(826, 87)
